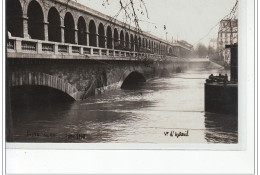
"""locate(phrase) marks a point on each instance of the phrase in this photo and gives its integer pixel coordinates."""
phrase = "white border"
(156, 161)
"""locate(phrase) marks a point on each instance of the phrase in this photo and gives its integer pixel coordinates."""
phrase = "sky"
(189, 20)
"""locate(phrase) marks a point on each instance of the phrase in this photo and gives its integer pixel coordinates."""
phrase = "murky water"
(162, 110)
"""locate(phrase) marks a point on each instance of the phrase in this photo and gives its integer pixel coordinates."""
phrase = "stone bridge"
(65, 21)
(63, 45)
(81, 78)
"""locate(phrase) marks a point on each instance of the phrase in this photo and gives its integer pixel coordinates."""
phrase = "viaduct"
(78, 51)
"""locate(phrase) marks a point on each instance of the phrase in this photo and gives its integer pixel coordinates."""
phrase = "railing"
(75, 49)
(47, 47)
(29, 46)
(117, 53)
(96, 51)
(32, 46)
(111, 53)
(10, 44)
(87, 51)
(104, 52)
(63, 49)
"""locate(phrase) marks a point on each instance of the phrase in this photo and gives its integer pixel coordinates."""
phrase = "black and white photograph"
(122, 71)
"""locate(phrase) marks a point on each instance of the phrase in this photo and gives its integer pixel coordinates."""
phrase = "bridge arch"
(170, 51)
(149, 45)
(143, 45)
(122, 40)
(69, 30)
(152, 46)
(35, 20)
(101, 35)
(116, 39)
(162, 49)
(42, 79)
(14, 20)
(131, 79)
(146, 45)
(136, 44)
(139, 44)
(54, 29)
(92, 33)
(127, 41)
(109, 38)
(82, 29)
(132, 42)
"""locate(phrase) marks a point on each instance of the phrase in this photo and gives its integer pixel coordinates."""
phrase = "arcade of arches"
(69, 29)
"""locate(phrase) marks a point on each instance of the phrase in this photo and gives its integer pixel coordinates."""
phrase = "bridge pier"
(25, 27)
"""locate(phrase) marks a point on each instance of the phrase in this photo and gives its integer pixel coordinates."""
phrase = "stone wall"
(81, 78)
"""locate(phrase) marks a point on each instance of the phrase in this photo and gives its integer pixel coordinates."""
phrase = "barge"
(221, 94)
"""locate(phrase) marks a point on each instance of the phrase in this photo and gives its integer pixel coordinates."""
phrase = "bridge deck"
(31, 48)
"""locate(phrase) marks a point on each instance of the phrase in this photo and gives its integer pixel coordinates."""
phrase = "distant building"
(227, 35)
(183, 48)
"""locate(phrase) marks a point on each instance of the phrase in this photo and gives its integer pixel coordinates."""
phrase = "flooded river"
(161, 110)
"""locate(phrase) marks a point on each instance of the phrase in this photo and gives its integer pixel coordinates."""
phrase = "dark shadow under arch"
(132, 42)
(101, 35)
(30, 96)
(14, 20)
(82, 31)
(132, 80)
(35, 21)
(69, 31)
(54, 29)
(116, 39)
(109, 38)
(92, 34)
(127, 41)
(122, 40)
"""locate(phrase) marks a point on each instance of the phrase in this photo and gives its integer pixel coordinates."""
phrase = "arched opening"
(34, 96)
(69, 28)
(140, 44)
(122, 40)
(54, 30)
(35, 21)
(127, 41)
(92, 34)
(149, 46)
(109, 38)
(143, 45)
(116, 42)
(133, 80)
(146, 45)
(132, 42)
(14, 20)
(170, 51)
(152, 46)
(101, 35)
(162, 49)
(82, 36)
(136, 44)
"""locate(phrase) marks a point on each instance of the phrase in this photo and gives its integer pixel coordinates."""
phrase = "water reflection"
(143, 115)
(221, 128)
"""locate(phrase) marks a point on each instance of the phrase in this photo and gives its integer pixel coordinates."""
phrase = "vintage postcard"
(122, 72)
